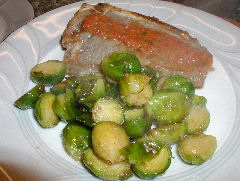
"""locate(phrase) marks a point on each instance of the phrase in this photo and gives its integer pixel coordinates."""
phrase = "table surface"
(229, 10)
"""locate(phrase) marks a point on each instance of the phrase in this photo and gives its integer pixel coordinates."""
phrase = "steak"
(97, 30)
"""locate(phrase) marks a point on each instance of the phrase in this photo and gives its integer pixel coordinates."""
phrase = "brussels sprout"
(170, 133)
(134, 114)
(107, 109)
(179, 84)
(149, 158)
(135, 89)
(168, 106)
(136, 123)
(143, 138)
(84, 115)
(118, 171)
(199, 100)
(153, 74)
(76, 139)
(157, 166)
(85, 118)
(109, 139)
(88, 104)
(65, 106)
(60, 88)
(91, 87)
(112, 90)
(138, 150)
(43, 111)
(49, 73)
(198, 119)
(29, 99)
(137, 128)
(116, 64)
(197, 149)
(73, 82)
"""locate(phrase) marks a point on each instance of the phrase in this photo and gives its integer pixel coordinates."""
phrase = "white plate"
(29, 152)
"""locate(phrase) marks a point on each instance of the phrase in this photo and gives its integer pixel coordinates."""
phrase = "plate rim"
(79, 3)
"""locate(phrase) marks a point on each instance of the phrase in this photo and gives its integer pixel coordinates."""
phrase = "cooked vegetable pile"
(124, 119)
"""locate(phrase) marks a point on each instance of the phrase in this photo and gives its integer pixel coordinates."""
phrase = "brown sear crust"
(101, 8)
(181, 33)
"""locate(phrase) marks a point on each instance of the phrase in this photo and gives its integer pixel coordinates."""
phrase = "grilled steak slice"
(97, 30)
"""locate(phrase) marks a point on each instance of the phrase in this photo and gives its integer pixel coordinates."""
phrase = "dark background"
(229, 9)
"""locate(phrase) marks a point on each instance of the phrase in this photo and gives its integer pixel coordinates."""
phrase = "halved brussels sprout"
(109, 139)
(49, 73)
(170, 133)
(135, 89)
(91, 87)
(84, 115)
(180, 84)
(112, 90)
(116, 64)
(43, 111)
(150, 158)
(168, 106)
(157, 166)
(138, 150)
(60, 88)
(136, 123)
(198, 119)
(76, 139)
(106, 171)
(199, 100)
(65, 106)
(134, 113)
(153, 74)
(107, 109)
(197, 149)
(29, 99)
(137, 128)
(73, 82)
